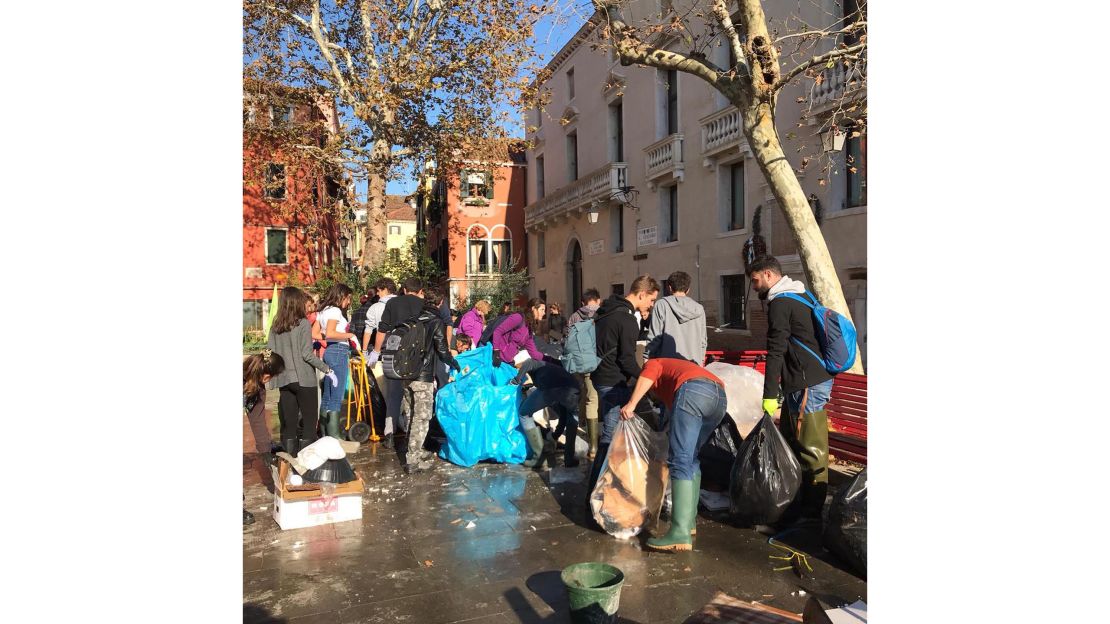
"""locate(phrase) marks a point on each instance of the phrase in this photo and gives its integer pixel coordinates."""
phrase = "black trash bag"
(331, 471)
(719, 453)
(377, 404)
(765, 477)
(846, 531)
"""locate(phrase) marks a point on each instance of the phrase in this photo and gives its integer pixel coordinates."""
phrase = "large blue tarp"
(478, 412)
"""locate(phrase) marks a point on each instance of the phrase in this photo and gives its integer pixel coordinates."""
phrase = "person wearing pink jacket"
(515, 333)
(472, 323)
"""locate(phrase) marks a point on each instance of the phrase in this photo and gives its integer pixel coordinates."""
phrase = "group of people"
(692, 398)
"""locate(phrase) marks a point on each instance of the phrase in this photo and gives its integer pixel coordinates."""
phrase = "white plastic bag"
(744, 393)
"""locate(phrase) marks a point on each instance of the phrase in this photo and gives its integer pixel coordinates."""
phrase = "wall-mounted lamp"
(592, 213)
(833, 139)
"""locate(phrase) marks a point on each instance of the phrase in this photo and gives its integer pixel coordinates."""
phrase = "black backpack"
(403, 351)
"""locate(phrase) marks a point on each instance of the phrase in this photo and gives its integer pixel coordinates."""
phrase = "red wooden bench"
(847, 406)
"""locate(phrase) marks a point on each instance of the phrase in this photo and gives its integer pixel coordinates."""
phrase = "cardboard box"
(297, 510)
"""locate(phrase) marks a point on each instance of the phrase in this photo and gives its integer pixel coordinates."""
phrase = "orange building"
(290, 224)
(476, 223)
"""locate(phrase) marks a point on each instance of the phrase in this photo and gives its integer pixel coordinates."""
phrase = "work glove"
(373, 359)
(770, 406)
(334, 380)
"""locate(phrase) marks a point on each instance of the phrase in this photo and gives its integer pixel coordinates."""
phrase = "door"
(574, 274)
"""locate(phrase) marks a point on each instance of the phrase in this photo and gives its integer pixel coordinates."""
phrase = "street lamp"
(592, 213)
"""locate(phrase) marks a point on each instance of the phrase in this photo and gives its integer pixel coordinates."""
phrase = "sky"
(552, 32)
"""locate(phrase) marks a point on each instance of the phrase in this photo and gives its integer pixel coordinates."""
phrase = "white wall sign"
(252, 272)
(646, 236)
(597, 246)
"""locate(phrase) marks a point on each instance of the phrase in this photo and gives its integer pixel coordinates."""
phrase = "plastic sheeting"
(633, 481)
(846, 530)
(744, 393)
(765, 477)
(478, 412)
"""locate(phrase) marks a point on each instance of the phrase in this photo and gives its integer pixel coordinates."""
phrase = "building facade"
(697, 192)
(290, 228)
(476, 223)
(400, 224)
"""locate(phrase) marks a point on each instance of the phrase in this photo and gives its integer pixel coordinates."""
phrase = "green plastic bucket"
(594, 590)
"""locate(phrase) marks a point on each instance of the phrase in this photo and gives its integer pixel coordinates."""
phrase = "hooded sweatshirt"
(616, 333)
(677, 330)
(786, 319)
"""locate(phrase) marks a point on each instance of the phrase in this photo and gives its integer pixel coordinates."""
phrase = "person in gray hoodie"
(587, 401)
(677, 327)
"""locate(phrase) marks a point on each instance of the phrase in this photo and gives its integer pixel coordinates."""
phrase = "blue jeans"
(610, 401)
(818, 397)
(337, 356)
(699, 406)
(563, 400)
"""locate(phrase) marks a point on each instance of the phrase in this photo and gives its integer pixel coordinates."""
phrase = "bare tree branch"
(633, 50)
(720, 11)
(818, 60)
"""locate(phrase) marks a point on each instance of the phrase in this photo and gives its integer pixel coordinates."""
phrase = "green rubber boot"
(683, 510)
(331, 425)
(592, 431)
(697, 497)
(537, 447)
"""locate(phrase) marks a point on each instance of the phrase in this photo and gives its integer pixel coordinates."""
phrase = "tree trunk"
(373, 253)
(759, 128)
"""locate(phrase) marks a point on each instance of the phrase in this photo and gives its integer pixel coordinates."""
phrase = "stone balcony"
(664, 161)
(722, 135)
(574, 198)
(839, 84)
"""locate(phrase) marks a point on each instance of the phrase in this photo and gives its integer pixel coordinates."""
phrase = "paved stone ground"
(411, 559)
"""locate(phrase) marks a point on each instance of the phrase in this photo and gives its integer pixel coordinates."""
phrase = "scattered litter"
(533, 528)
(713, 501)
(800, 592)
(471, 525)
(455, 521)
(263, 508)
(687, 569)
(428, 562)
(850, 614)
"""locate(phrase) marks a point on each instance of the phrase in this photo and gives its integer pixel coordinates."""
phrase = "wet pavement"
(411, 558)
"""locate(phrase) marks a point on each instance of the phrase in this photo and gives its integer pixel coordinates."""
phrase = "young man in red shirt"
(695, 402)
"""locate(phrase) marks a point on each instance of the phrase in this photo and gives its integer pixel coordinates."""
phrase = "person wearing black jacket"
(559, 390)
(616, 330)
(805, 385)
(418, 394)
(397, 310)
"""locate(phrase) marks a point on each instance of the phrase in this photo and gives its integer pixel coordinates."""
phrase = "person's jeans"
(818, 397)
(610, 401)
(699, 406)
(337, 356)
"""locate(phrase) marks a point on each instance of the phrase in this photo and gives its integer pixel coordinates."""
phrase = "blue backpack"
(580, 347)
(835, 334)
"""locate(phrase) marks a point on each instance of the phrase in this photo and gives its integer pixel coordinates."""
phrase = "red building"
(476, 223)
(291, 205)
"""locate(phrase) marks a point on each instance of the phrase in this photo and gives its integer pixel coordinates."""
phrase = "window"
(570, 83)
(248, 117)
(488, 255)
(277, 246)
(672, 101)
(616, 132)
(736, 197)
(668, 218)
(617, 289)
(394, 229)
(476, 184)
(539, 177)
(733, 305)
(852, 14)
(252, 316)
(275, 181)
(543, 295)
(855, 161)
(541, 252)
(395, 255)
(539, 118)
(502, 254)
(281, 114)
(572, 156)
(478, 258)
(616, 227)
